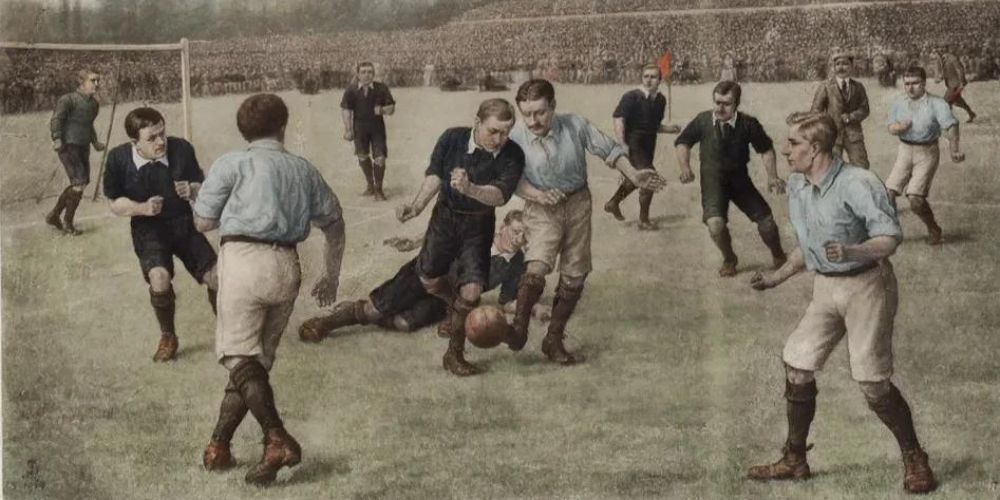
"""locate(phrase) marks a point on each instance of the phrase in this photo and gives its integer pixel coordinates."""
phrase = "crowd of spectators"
(788, 44)
(513, 9)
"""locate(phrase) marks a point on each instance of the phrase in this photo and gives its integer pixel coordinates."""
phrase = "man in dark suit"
(152, 179)
(844, 99)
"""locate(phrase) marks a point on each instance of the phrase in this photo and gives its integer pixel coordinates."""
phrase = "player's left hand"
(183, 189)
(460, 180)
(406, 212)
(957, 156)
(760, 281)
(649, 180)
(835, 251)
(776, 185)
(99, 146)
(325, 291)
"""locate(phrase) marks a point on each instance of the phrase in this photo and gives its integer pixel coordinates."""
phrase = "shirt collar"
(731, 122)
(362, 86)
(553, 131)
(645, 93)
(267, 143)
(473, 146)
(139, 161)
(840, 81)
(831, 175)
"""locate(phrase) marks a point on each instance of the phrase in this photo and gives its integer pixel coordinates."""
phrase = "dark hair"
(261, 115)
(363, 64)
(535, 89)
(728, 87)
(140, 118)
(817, 128)
(512, 216)
(499, 108)
(916, 71)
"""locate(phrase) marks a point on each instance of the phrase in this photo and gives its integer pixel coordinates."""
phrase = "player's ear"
(552, 104)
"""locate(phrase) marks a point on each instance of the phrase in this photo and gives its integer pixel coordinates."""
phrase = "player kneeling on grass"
(153, 179)
(847, 228)
(262, 199)
(402, 304)
(475, 170)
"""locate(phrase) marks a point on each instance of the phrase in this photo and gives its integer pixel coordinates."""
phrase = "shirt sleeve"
(691, 134)
(511, 168)
(63, 106)
(114, 182)
(437, 165)
(387, 99)
(942, 113)
(759, 139)
(214, 192)
(347, 101)
(895, 113)
(600, 144)
(324, 207)
(872, 203)
(192, 169)
(621, 111)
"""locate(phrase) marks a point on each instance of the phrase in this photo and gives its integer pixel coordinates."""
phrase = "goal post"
(183, 47)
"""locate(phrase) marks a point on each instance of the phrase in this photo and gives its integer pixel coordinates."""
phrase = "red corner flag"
(664, 64)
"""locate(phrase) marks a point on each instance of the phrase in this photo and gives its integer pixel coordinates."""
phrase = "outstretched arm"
(795, 264)
(430, 188)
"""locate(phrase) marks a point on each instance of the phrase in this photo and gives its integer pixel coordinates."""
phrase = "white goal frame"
(183, 46)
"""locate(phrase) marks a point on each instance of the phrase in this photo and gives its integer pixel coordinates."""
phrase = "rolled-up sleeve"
(874, 206)
(324, 206)
(62, 109)
(942, 113)
(214, 192)
(511, 165)
(600, 144)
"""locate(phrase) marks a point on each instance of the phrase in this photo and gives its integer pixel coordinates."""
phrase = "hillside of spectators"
(781, 45)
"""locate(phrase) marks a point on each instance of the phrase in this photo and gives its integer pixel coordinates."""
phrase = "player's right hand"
(348, 135)
(551, 197)
(686, 176)
(405, 212)
(56, 145)
(154, 205)
(760, 282)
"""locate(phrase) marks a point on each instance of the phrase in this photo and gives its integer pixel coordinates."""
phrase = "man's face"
(516, 235)
(366, 74)
(152, 141)
(650, 80)
(91, 84)
(914, 86)
(492, 133)
(842, 67)
(538, 115)
(725, 106)
(797, 151)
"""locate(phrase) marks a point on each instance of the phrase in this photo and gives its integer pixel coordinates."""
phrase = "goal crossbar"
(182, 46)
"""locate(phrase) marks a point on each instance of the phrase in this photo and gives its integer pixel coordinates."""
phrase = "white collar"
(731, 122)
(645, 92)
(840, 81)
(506, 255)
(362, 86)
(140, 161)
(473, 146)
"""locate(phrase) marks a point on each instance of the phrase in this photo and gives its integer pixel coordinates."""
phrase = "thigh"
(380, 148)
(473, 262)
(902, 169)
(748, 199)
(925, 164)
(152, 250)
(544, 233)
(241, 314)
(575, 259)
(441, 244)
(818, 332)
(641, 149)
(362, 141)
(76, 161)
(400, 292)
(425, 312)
(870, 314)
(194, 250)
(273, 326)
(714, 198)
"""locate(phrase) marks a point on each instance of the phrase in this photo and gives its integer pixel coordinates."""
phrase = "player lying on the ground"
(153, 179)
(724, 136)
(402, 304)
(847, 228)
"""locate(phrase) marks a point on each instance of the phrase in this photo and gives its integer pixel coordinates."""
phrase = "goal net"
(34, 75)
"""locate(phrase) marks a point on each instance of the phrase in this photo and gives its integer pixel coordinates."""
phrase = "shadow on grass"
(662, 222)
(949, 238)
(320, 468)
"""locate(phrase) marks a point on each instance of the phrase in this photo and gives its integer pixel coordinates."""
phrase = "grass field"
(681, 391)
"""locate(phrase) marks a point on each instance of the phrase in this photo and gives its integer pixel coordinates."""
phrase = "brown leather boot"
(528, 292)
(613, 206)
(562, 309)
(73, 198)
(918, 478)
(217, 456)
(454, 358)
(280, 450)
(346, 313)
(792, 465)
(166, 350)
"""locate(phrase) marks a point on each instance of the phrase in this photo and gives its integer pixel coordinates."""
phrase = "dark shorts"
(460, 239)
(370, 139)
(641, 149)
(76, 160)
(404, 295)
(717, 190)
(158, 242)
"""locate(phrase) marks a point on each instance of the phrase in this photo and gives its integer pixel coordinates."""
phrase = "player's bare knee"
(716, 225)
(572, 282)
(875, 391)
(231, 362)
(78, 188)
(401, 324)
(159, 279)
(364, 158)
(211, 278)
(538, 267)
(799, 377)
(766, 224)
(372, 314)
(470, 292)
(379, 160)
